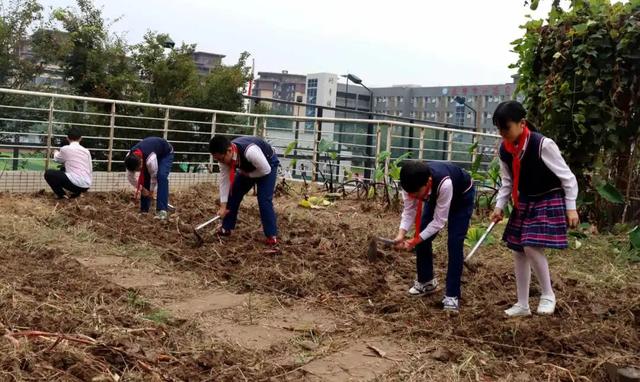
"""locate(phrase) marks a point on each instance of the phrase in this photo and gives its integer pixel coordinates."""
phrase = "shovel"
(200, 240)
(486, 233)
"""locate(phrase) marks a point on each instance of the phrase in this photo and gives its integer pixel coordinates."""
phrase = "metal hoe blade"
(199, 239)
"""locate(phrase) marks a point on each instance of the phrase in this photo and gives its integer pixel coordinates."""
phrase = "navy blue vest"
(535, 177)
(153, 145)
(243, 143)
(461, 180)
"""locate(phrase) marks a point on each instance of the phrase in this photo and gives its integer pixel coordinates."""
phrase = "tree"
(223, 87)
(95, 62)
(579, 75)
(17, 21)
(169, 78)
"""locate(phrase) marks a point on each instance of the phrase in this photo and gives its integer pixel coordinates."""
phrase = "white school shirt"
(77, 164)
(440, 214)
(255, 156)
(152, 168)
(552, 158)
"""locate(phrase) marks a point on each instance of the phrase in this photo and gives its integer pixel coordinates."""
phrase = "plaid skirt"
(538, 222)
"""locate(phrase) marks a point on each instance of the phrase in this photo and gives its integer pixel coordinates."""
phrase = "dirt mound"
(322, 259)
(54, 294)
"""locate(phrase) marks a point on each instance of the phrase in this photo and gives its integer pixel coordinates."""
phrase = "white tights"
(532, 257)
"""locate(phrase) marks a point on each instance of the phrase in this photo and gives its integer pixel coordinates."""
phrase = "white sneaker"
(418, 288)
(547, 305)
(161, 215)
(518, 310)
(451, 304)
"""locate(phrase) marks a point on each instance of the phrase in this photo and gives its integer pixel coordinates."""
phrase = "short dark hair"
(74, 134)
(413, 175)
(510, 111)
(219, 144)
(132, 162)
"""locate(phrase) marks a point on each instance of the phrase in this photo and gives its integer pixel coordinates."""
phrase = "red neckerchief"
(515, 151)
(416, 236)
(139, 154)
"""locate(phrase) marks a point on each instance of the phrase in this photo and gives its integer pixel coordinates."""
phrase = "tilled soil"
(321, 263)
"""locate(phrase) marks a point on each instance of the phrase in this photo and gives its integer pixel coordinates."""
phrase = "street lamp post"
(463, 101)
(358, 81)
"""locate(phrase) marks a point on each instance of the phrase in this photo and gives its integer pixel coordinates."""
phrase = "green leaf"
(610, 193)
(479, 177)
(634, 237)
(379, 175)
(473, 147)
(383, 156)
(325, 145)
(290, 147)
(580, 28)
(578, 234)
(401, 158)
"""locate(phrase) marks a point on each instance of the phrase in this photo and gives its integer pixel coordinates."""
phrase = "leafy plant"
(159, 316)
(609, 192)
(475, 233)
(578, 76)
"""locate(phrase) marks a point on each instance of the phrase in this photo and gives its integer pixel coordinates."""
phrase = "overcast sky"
(423, 42)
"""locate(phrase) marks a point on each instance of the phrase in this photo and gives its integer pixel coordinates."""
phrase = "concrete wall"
(33, 181)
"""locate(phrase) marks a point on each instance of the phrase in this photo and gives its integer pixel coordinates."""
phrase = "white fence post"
(112, 126)
(165, 133)
(420, 153)
(386, 162)
(49, 135)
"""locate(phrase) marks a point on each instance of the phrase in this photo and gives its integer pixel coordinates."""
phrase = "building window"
(400, 99)
(312, 83)
(312, 95)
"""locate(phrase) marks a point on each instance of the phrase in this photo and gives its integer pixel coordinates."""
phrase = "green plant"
(159, 316)
(487, 181)
(474, 234)
(393, 168)
(609, 192)
(328, 150)
(578, 75)
(136, 301)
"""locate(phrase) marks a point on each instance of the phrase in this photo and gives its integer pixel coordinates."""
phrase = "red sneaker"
(272, 240)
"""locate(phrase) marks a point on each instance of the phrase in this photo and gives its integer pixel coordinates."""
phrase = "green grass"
(159, 316)
(136, 301)
(30, 162)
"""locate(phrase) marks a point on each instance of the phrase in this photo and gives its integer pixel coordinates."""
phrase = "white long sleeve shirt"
(152, 168)
(440, 214)
(552, 158)
(77, 164)
(255, 156)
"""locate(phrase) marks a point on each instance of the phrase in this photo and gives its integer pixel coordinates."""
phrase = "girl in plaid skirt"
(544, 192)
